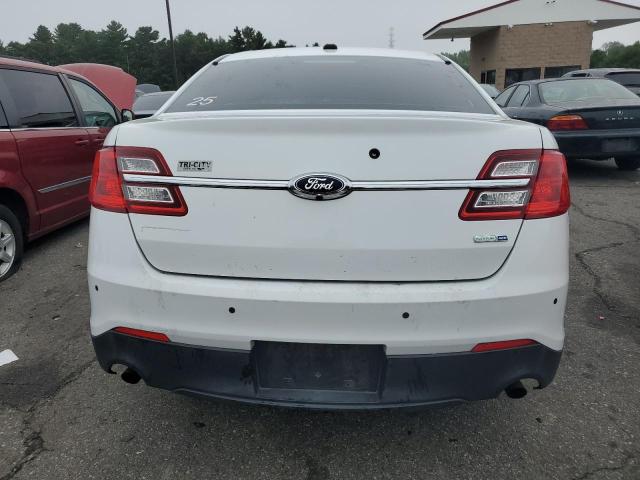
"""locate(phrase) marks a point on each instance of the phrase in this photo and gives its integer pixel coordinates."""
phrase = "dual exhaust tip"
(516, 390)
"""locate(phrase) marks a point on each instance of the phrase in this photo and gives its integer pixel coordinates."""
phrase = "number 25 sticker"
(201, 101)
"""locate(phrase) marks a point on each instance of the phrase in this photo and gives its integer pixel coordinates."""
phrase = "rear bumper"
(407, 380)
(592, 144)
(525, 299)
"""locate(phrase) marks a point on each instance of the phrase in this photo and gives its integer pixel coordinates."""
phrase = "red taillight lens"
(110, 190)
(545, 195)
(493, 346)
(567, 122)
(105, 191)
(134, 332)
(550, 194)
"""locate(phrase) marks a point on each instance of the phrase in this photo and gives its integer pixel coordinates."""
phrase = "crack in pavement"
(598, 291)
(626, 461)
(633, 228)
(33, 441)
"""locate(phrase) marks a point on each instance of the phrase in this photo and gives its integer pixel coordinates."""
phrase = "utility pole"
(392, 40)
(173, 46)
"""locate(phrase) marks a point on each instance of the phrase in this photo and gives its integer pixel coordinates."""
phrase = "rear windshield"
(583, 89)
(345, 82)
(628, 79)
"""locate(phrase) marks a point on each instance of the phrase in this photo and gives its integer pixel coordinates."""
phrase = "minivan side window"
(97, 111)
(40, 99)
(3, 119)
(501, 99)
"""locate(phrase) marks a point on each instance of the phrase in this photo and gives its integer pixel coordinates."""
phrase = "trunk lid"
(392, 236)
(605, 114)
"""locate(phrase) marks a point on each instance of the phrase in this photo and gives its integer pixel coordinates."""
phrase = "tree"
(144, 54)
(67, 41)
(615, 54)
(112, 43)
(41, 44)
(462, 58)
(142, 49)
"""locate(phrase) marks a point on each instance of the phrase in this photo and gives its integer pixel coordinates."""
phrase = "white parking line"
(7, 356)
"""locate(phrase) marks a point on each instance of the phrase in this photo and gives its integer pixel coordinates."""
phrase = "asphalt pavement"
(62, 417)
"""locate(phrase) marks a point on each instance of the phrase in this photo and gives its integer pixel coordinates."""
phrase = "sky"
(361, 23)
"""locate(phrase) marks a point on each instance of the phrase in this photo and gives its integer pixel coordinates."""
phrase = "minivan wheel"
(11, 243)
(628, 163)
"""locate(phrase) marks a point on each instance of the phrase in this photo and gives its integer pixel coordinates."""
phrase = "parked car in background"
(330, 228)
(144, 88)
(491, 90)
(591, 118)
(149, 103)
(52, 122)
(627, 77)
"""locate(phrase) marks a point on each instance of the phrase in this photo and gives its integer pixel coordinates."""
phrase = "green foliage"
(462, 58)
(615, 54)
(144, 54)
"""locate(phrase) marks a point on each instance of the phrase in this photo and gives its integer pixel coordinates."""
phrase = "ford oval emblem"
(320, 186)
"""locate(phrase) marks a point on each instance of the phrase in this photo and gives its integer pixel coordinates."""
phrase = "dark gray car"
(148, 104)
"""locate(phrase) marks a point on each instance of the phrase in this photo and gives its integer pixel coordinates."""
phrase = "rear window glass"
(341, 82)
(40, 99)
(587, 89)
(152, 101)
(629, 79)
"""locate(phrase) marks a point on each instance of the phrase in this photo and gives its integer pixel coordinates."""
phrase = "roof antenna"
(392, 40)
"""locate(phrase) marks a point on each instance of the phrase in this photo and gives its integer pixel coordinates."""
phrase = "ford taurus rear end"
(330, 229)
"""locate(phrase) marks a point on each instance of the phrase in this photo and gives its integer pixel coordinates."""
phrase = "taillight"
(105, 191)
(550, 194)
(109, 191)
(545, 195)
(567, 122)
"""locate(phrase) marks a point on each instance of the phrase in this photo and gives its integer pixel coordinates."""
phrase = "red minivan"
(52, 121)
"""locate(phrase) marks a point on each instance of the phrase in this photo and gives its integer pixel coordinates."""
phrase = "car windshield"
(583, 89)
(325, 82)
(151, 101)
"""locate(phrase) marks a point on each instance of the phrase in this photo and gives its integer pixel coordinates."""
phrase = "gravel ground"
(62, 417)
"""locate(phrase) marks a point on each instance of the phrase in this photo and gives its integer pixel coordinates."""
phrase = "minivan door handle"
(82, 142)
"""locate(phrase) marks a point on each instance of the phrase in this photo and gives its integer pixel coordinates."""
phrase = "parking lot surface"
(62, 417)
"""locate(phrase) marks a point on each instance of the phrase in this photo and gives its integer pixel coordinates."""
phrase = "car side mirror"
(127, 115)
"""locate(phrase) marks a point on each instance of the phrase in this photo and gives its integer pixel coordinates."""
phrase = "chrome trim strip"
(26, 129)
(369, 185)
(439, 184)
(68, 184)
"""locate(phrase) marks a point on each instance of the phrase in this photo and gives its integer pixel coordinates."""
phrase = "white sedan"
(330, 228)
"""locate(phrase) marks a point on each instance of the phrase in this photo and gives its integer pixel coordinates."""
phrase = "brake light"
(567, 122)
(109, 191)
(550, 195)
(493, 346)
(146, 334)
(105, 191)
(545, 195)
